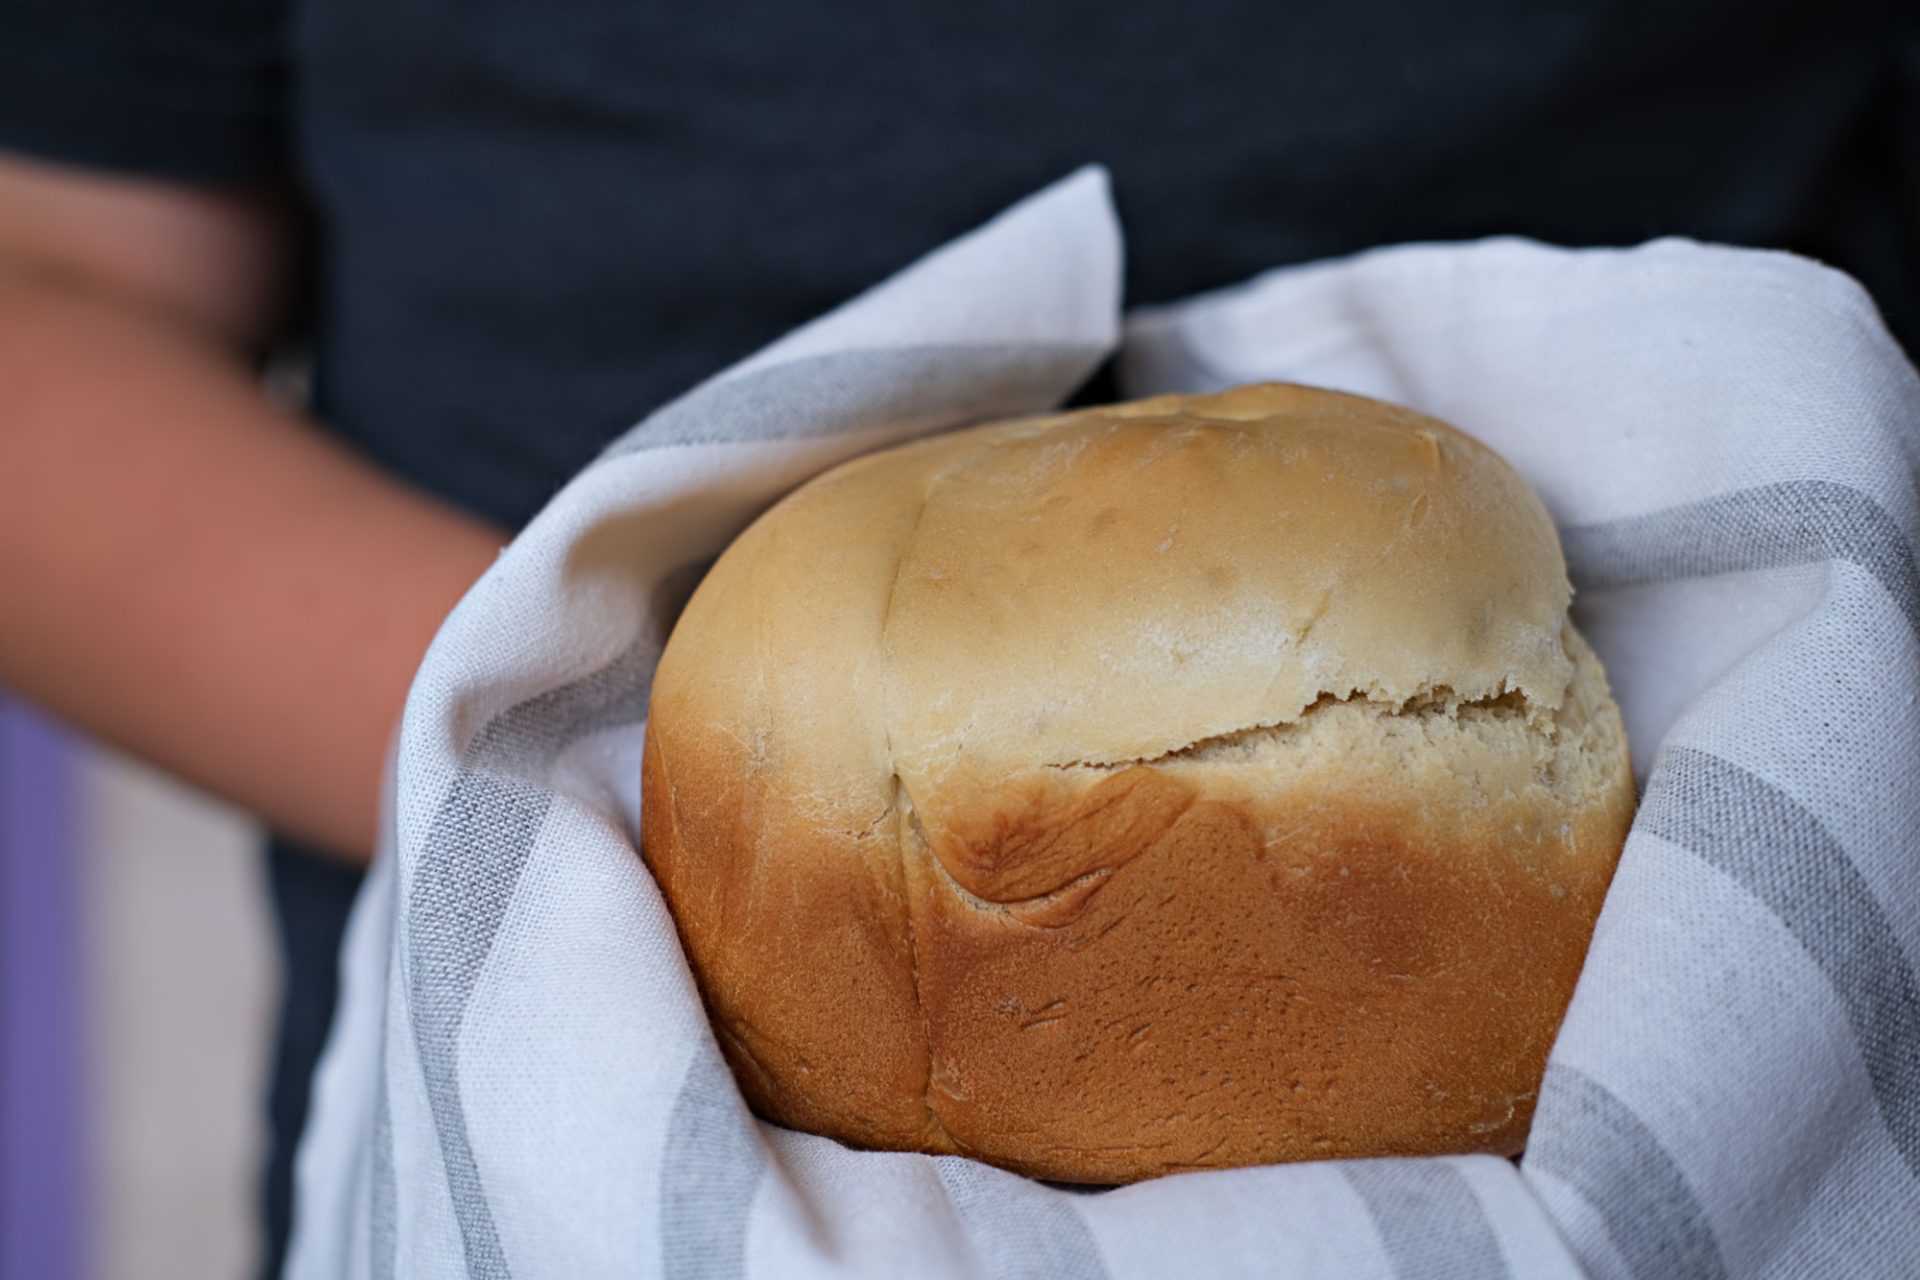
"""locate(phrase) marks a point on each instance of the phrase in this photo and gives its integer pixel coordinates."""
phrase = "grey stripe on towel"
(1432, 1224)
(1793, 522)
(462, 883)
(849, 391)
(1587, 1137)
(1781, 854)
(1021, 1230)
(709, 1172)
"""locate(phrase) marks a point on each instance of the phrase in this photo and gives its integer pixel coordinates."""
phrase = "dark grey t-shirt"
(535, 220)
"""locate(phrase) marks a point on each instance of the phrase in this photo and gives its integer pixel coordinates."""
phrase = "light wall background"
(181, 973)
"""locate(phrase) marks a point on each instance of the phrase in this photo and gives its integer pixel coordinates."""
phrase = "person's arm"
(186, 569)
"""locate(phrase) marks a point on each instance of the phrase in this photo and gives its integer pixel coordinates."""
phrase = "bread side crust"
(1184, 964)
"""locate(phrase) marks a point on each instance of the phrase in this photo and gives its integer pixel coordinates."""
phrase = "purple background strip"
(41, 1139)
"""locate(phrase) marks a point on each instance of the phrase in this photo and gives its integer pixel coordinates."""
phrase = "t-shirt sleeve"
(193, 90)
(1906, 55)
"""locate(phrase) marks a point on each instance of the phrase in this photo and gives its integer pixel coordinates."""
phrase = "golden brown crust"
(951, 879)
(808, 978)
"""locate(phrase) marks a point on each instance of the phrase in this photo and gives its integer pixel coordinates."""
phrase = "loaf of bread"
(1201, 781)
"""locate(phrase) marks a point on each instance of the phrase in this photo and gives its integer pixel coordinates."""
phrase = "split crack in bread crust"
(1195, 782)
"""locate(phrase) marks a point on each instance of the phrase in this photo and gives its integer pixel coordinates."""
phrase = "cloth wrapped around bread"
(1200, 781)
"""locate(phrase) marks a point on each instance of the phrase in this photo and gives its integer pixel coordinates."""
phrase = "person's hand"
(187, 569)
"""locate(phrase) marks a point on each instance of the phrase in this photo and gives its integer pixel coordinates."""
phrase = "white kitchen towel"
(521, 1083)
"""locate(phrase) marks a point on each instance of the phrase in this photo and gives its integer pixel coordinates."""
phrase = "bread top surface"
(1121, 584)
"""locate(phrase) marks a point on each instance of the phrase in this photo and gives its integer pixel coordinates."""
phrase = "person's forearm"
(201, 577)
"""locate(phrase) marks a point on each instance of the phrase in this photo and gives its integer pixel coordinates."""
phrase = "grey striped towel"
(520, 1081)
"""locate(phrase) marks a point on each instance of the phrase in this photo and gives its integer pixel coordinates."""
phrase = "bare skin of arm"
(187, 569)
